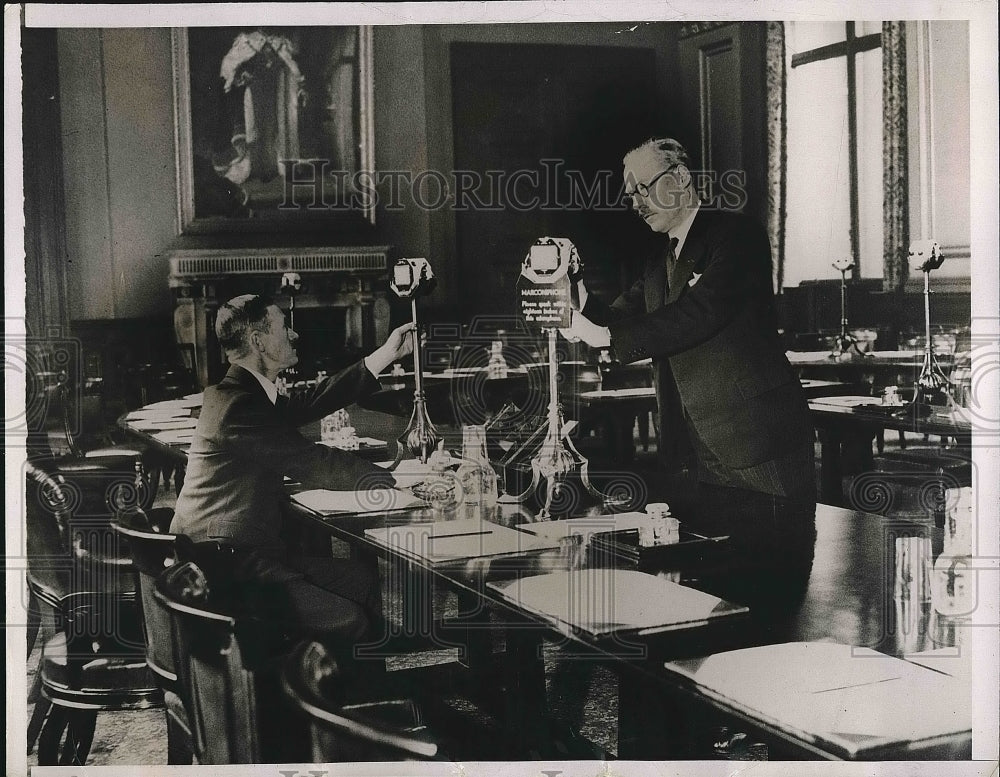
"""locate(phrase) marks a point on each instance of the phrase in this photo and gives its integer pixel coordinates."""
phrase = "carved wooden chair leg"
(51, 735)
(79, 737)
(38, 717)
(180, 748)
(35, 694)
(179, 473)
(34, 619)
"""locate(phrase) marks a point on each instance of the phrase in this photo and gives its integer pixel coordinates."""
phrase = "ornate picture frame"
(273, 129)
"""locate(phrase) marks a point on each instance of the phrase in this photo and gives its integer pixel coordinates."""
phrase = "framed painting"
(273, 128)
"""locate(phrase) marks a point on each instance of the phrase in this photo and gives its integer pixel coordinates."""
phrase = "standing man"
(246, 440)
(704, 311)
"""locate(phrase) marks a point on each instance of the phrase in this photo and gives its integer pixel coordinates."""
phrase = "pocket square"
(695, 277)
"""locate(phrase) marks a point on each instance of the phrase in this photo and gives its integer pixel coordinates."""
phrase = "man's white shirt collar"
(682, 230)
(269, 388)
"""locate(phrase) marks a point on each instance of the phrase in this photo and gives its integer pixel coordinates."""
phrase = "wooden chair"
(69, 420)
(115, 472)
(49, 571)
(65, 555)
(94, 661)
(384, 730)
(224, 664)
(153, 549)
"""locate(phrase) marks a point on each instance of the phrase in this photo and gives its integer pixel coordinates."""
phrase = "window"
(834, 173)
(834, 145)
(938, 104)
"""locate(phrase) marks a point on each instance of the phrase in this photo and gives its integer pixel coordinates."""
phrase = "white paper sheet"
(169, 404)
(642, 391)
(328, 502)
(848, 401)
(807, 356)
(172, 436)
(603, 601)
(896, 354)
(445, 541)
(145, 413)
(952, 661)
(160, 425)
(853, 696)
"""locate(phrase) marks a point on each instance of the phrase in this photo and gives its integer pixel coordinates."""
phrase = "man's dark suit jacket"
(711, 330)
(243, 445)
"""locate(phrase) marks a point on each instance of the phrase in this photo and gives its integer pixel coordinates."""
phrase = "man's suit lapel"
(653, 284)
(686, 262)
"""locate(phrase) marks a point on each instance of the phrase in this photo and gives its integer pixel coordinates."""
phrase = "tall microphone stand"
(845, 344)
(932, 386)
(410, 279)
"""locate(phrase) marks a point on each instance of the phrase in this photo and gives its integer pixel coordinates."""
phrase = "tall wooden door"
(723, 95)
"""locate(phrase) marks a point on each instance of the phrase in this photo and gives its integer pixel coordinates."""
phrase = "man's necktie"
(671, 265)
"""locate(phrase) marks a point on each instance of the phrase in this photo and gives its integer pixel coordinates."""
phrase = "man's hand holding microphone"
(581, 327)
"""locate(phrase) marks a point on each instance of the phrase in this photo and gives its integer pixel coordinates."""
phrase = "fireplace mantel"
(349, 279)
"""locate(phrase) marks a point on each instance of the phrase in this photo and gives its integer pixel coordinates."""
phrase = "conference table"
(847, 425)
(849, 595)
(875, 368)
(615, 410)
(609, 406)
(859, 591)
(167, 430)
(453, 397)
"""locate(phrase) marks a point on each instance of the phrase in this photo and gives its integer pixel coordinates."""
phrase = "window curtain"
(895, 183)
(46, 306)
(776, 151)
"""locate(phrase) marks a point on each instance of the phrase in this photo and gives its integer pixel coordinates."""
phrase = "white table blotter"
(161, 425)
(145, 414)
(376, 500)
(605, 601)
(174, 436)
(449, 541)
(847, 401)
(852, 697)
(623, 393)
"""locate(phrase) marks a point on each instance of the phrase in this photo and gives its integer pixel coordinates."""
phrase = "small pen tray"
(622, 549)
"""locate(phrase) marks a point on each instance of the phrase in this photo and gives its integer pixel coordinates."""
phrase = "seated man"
(247, 438)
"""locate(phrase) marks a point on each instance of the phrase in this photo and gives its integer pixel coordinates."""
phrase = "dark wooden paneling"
(517, 105)
(112, 349)
(815, 307)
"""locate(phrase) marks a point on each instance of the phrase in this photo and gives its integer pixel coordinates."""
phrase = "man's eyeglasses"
(642, 189)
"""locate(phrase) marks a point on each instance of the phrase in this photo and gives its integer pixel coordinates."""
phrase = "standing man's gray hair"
(668, 150)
